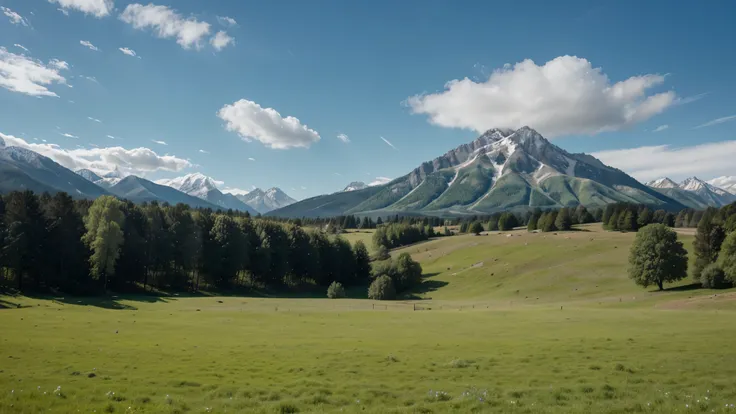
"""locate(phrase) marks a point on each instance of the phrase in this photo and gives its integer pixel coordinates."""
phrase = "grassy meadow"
(512, 322)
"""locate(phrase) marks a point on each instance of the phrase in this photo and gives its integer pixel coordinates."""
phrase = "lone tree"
(382, 289)
(476, 228)
(104, 224)
(727, 257)
(657, 257)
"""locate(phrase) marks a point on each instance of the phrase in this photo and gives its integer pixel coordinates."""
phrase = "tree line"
(81, 246)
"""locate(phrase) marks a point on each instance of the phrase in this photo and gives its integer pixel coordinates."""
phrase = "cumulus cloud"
(129, 52)
(727, 182)
(88, 44)
(22, 74)
(266, 125)
(19, 46)
(661, 128)
(652, 162)
(389, 143)
(227, 21)
(566, 95)
(14, 17)
(343, 137)
(96, 8)
(717, 121)
(220, 40)
(235, 191)
(159, 142)
(379, 181)
(101, 160)
(166, 23)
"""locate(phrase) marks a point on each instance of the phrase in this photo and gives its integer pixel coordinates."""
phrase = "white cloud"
(14, 17)
(88, 44)
(227, 21)
(203, 151)
(338, 174)
(717, 121)
(251, 159)
(59, 64)
(389, 143)
(97, 8)
(94, 119)
(566, 95)
(661, 128)
(379, 181)
(166, 23)
(159, 142)
(220, 40)
(63, 11)
(344, 138)
(725, 182)
(129, 161)
(91, 78)
(68, 135)
(19, 73)
(266, 125)
(129, 52)
(19, 46)
(303, 187)
(235, 191)
(111, 137)
(651, 162)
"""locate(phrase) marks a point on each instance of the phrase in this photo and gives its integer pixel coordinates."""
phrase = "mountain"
(266, 201)
(23, 169)
(727, 183)
(713, 195)
(502, 169)
(693, 192)
(205, 188)
(139, 190)
(88, 175)
(356, 185)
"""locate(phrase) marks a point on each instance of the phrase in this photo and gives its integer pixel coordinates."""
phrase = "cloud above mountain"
(137, 161)
(651, 162)
(565, 96)
(266, 125)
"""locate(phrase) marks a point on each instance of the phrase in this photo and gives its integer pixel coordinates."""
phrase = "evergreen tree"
(132, 265)
(707, 243)
(67, 258)
(476, 228)
(362, 262)
(645, 217)
(493, 223)
(229, 250)
(669, 220)
(507, 221)
(563, 221)
(26, 236)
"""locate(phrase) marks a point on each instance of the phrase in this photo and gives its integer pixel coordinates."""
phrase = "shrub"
(381, 253)
(476, 228)
(382, 289)
(336, 291)
(713, 277)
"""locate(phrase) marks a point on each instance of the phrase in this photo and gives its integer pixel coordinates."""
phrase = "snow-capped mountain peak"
(725, 182)
(663, 182)
(693, 184)
(355, 186)
(195, 184)
(265, 201)
(88, 175)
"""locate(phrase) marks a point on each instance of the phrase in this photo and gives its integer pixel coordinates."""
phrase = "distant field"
(366, 236)
(522, 324)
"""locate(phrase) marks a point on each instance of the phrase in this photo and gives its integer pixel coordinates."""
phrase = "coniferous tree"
(25, 237)
(67, 258)
(563, 222)
(362, 262)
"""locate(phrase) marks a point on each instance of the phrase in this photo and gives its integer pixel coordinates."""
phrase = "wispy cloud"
(717, 121)
(343, 137)
(129, 52)
(235, 191)
(651, 162)
(68, 135)
(159, 142)
(338, 174)
(379, 181)
(690, 99)
(251, 159)
(389, 143)
(111, 137)
(661, 128)
(303, 187)
(203, 151)
(88, 44)
(19, 73)
(91, 79)
(19, 46)
(94, 119)
(14, 17)
(227, 21)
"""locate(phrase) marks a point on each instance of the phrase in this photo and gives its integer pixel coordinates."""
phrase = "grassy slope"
(651, 352)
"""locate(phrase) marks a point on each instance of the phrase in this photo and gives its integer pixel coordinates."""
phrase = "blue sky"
(593, 77)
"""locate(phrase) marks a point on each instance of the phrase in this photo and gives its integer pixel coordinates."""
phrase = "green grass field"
(516, 324)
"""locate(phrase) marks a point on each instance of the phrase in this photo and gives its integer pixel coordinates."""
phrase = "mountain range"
(502, 169)
(693, 192)
(203, 187)
(266, 201)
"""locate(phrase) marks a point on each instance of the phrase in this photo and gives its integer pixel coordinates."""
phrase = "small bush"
(713, 277)
(382, 289)
(336, 291)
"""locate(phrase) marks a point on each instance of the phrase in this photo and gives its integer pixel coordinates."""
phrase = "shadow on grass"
(426, 286)
(683, 288)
